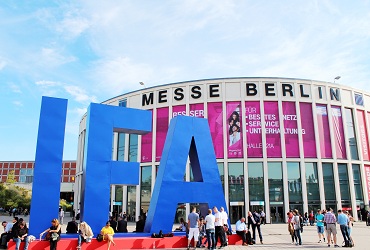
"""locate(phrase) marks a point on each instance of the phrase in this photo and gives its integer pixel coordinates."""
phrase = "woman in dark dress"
(53, 234)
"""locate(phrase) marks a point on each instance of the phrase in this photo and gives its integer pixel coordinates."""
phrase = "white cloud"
(2, 64)
(18, 103)
(78, 94)
(55, 57)
(119, 74)
(73, 24)
(14, 88)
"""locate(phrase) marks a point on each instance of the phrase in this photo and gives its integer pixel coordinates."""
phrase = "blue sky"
(89, 51)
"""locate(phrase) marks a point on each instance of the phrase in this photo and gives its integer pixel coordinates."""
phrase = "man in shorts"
(193, 225)
(331, 228)
(319, 218)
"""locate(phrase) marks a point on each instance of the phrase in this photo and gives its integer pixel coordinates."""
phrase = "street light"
(336, 78)
(141, 83)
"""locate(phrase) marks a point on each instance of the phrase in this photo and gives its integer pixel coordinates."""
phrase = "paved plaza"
(276, 236)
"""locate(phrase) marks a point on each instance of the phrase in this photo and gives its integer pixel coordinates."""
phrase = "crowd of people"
(326, 223)
(214, 228)
(205, 231)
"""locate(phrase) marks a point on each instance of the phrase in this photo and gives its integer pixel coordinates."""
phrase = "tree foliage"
(14, 196)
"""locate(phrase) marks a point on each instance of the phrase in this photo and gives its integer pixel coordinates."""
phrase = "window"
(133, 144)
(236, 182)
(122, 103)
(294, 182)
(329, 188)
(121, 147)
(221, 171)
(275, 178)
(343, 182)
(313, 192)
(357, 183)
(146, 186)
(351, 134)
(255, 181)
(359, 100)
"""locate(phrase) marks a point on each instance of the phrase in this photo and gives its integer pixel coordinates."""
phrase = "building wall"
(23, 173)
(286, 163)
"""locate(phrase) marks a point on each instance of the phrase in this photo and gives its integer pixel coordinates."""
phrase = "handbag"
(99, 237)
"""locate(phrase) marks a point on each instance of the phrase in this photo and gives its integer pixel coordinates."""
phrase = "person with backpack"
(255, 220)
(297, 226)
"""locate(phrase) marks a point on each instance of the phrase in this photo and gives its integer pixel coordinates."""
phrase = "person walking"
(193, 226)
(343, 223)
(319, 218)
(297, 227)
(350, 225)
(331, 229)
(61, 215)
(210, 229)
(291, 226)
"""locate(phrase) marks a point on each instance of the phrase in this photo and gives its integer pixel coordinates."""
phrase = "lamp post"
(336, 78)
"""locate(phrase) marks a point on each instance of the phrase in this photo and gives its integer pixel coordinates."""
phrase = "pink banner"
(340, 145)
(146, 146)
(363, 134)
(308, 132)
(290, 130)
(162, 127)
(253, 129)
(272, 128)
(324, 132)
(196, 110)
(235, 142)
(367, 176)
(178, 110)
(214, 112)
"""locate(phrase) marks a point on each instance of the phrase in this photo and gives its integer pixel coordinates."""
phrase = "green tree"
(11, 177)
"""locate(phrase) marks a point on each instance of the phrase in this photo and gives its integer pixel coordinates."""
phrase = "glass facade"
(294, 186)
(26, 176)
(222, 176)
(312, 184)
(133, 144)
(357, 183)
(255, 181)
(236, 182)
(121, 147)
(329, 187)
(146, 187)
(344, 185)
(275, 178)
(351, 134)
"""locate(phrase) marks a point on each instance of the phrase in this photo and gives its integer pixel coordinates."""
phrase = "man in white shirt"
(242, 230)
(219, 232)
(61, 216)
(210, 229)
(225, 218)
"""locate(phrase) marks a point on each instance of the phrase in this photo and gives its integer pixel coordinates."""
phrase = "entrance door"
(277, 214)
(236, 212)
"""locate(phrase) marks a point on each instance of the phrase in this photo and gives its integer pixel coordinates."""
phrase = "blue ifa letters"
(187, 136)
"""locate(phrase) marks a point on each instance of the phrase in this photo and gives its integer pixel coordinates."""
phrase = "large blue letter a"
(187, 136)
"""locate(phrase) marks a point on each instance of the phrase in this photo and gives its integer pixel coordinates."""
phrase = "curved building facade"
(280, 143)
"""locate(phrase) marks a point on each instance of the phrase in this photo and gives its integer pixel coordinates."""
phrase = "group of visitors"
(325, 220)
(16, 230)
(213, 227)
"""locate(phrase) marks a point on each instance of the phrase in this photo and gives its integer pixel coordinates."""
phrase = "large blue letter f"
(99, 169)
